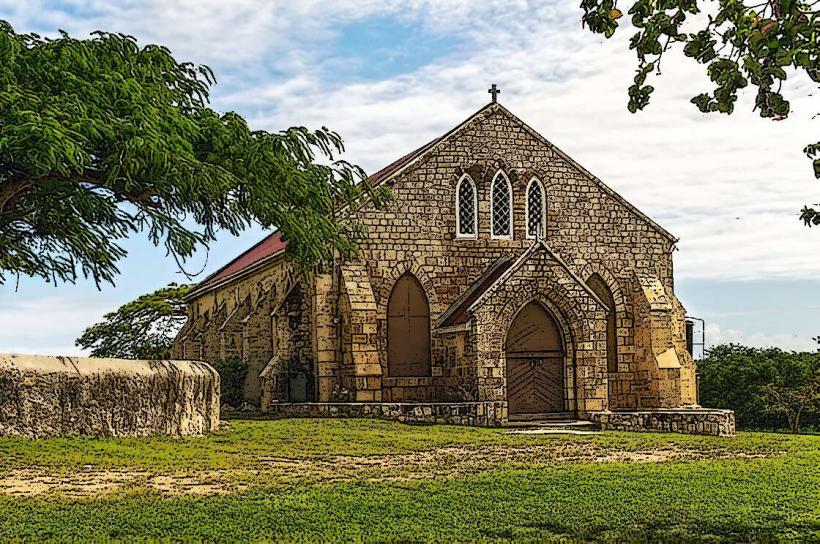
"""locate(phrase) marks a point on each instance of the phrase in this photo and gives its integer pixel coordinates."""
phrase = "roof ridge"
(411, 157)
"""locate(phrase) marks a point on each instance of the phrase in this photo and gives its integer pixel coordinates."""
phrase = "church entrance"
(535, 364)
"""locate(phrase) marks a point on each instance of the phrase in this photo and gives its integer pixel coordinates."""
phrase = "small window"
(466, 216)
(536, 207)
(501, 201)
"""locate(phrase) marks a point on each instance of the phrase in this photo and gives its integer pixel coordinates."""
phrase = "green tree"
(793, 401)
(741, 43)
(101, 139)
(142, 329)
(743, 378)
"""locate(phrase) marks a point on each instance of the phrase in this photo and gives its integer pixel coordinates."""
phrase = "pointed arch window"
(501, 204)
(600, 288)
(466, 208)
(536, 209)
(408, 329)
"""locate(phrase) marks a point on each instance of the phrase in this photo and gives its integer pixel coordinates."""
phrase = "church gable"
(462, 170)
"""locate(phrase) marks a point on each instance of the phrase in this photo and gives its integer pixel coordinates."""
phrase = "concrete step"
(546, 416)
(576, 426)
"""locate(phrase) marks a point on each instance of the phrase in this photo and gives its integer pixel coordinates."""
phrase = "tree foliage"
(792, 401)
(232, 373)
(102, 138)
(758, 383)
(741, 43)
(144, 328)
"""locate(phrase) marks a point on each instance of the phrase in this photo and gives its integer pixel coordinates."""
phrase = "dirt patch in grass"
(451, 461)
(441, 462)
(94, 482)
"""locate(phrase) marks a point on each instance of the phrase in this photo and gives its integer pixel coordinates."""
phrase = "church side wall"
(235, 320)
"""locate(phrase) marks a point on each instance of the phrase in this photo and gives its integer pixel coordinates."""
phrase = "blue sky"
(391, 75)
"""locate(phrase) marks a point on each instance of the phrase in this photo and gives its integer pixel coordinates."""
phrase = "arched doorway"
(535, 363)
(408, 329)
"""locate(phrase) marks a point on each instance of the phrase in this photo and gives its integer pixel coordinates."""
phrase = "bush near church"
(768, 388)
(232, 373)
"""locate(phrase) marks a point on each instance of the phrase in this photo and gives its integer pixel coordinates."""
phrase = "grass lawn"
(365, 480)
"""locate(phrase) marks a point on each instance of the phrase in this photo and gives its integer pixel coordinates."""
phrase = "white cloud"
(729, 187)
(716, 335)
(46, 325)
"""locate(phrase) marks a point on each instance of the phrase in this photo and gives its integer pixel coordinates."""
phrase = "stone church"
(504, 277)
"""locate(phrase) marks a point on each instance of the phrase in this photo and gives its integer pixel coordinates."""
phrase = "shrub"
(232, 372)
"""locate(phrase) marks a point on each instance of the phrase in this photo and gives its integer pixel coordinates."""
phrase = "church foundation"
(700, 421)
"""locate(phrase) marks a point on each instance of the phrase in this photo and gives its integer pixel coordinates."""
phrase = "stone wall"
(481, 414)
(688, 421)
(63, 396)
(494, 414)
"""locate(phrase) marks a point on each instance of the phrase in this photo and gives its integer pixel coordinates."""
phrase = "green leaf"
(104, 138)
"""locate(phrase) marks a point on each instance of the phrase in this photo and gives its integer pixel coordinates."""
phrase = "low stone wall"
(683, 420)
(493, 414)
(63, 396)
(483, 414)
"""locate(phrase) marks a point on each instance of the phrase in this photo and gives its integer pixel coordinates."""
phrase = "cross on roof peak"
(495, 91)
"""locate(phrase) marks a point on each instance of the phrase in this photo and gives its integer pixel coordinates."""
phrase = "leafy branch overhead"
(101, 139)
(757, 43)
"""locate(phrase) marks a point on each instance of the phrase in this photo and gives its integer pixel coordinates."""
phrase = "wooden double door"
(535, 358)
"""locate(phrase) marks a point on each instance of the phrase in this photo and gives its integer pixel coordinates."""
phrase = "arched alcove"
(408, 329)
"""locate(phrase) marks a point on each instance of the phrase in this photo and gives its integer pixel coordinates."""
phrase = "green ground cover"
(360, 480)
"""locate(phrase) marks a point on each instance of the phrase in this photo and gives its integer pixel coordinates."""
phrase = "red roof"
(270, 245)
(274, 243)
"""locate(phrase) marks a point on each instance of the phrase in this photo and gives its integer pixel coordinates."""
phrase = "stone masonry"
(331, 329)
